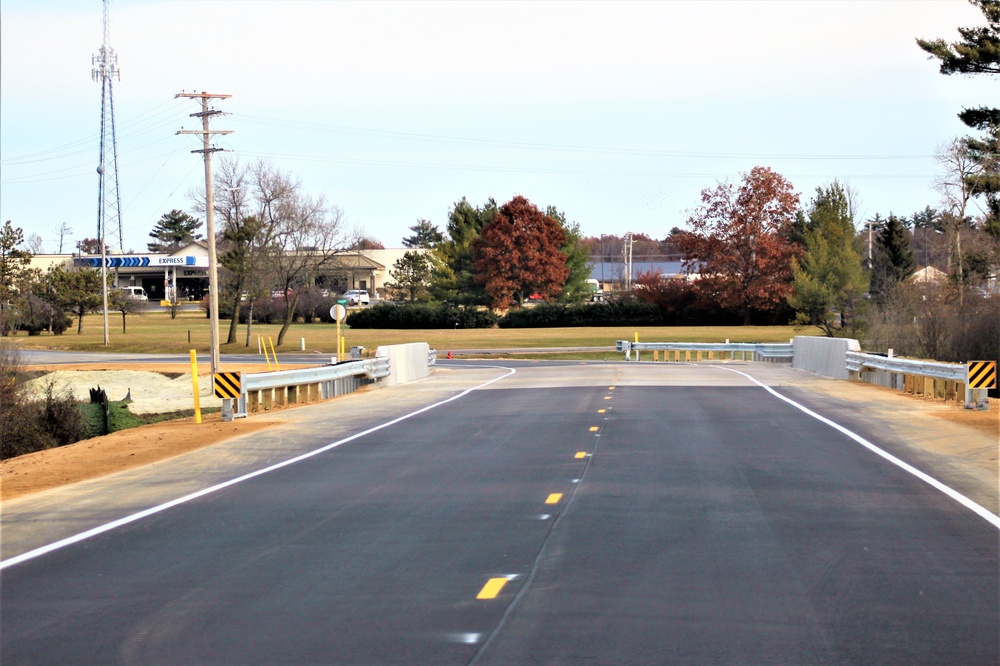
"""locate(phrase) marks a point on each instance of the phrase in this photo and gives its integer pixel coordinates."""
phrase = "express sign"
(143, 261)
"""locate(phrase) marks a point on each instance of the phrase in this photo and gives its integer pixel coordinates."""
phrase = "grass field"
(156, 332)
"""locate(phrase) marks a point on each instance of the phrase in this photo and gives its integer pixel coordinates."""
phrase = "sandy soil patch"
(153, 388)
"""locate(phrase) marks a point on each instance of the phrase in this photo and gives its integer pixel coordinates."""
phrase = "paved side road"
(604, 513)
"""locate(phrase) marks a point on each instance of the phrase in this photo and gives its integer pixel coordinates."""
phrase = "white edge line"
(107, 527)
(982, 511)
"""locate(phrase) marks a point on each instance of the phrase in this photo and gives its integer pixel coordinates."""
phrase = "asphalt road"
(573, 513)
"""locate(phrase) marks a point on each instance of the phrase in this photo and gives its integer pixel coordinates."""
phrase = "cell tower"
(109, 208)
(109, 214)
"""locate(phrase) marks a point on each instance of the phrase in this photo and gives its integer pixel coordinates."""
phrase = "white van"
(135, 293)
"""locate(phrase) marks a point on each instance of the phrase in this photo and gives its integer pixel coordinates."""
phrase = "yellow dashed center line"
(594, 428)
(580, 454)
(601, 411)
(611, 388)
(607, 397)
(492, 588)
(553, 498)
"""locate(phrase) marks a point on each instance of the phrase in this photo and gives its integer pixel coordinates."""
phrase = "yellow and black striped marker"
(982, 375)
(227, 385)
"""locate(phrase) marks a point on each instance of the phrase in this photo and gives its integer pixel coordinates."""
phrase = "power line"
(497, 143)
(546, 170)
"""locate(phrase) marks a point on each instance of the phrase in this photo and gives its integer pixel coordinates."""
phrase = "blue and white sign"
(143, 261)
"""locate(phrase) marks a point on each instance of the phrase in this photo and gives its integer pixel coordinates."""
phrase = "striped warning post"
(227, 385)
(982, 375)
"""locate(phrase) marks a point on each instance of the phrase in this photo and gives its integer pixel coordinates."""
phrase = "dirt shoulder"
(95, 457)
(126, 449)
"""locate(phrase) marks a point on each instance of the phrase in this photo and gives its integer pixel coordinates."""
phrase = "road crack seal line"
(979, 510)
(529, 579)
(107, 527)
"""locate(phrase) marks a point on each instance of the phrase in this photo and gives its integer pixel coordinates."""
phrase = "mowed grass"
(156, 332)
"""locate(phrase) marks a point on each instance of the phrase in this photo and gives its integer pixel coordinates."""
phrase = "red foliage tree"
(518, 254)
(740, 241)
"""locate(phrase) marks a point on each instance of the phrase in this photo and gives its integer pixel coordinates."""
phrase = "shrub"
(421, 316)
(60, 417)
(27, 426)
(20, 430)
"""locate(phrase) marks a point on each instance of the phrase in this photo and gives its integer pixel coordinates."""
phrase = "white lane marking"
(983, 512)
(101, 529)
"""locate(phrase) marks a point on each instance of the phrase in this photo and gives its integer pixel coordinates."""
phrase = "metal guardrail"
(777, 352)
(893, 372)
(860, 361)
(329, 379)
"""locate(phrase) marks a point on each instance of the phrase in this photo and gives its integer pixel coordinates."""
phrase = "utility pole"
(213, 280)
(627, 250)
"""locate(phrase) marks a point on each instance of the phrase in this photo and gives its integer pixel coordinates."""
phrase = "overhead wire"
(499, 143)
(538, 170)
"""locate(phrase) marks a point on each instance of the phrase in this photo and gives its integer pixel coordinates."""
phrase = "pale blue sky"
(619, 114)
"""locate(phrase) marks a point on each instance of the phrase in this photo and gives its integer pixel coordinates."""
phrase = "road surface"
(566, 513)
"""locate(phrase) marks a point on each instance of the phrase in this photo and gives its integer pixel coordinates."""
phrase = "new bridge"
(523, 513)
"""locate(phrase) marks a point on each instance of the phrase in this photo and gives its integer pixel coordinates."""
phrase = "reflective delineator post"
(194, 384)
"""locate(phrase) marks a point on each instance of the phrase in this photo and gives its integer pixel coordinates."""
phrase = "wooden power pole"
(213, 280)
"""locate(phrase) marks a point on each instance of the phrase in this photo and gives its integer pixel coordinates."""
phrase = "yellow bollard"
(340, 344)
(267, 356)
(194, 384)
(274, 354)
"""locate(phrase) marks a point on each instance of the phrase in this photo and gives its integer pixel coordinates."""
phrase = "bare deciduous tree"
(954, 183)
(308, 235)
(273, 233)
(62, 231)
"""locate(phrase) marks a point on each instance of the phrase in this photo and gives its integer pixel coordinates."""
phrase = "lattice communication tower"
(109, 214)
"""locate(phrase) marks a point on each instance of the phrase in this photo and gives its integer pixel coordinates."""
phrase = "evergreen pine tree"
(829, 281)
(892, 258)
(173, 230)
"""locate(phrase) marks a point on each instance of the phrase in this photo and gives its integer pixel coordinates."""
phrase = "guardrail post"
(977, 399)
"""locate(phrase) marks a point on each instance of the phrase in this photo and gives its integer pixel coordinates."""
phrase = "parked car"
(135, 293)
(357, 297)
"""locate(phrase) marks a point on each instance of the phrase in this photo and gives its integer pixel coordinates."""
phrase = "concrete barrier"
(406, 362)
(824, 356)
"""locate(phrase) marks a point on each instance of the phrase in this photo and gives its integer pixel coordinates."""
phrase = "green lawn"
(158, 333)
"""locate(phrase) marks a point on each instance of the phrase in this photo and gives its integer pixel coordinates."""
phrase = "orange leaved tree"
(518, 254)
(740, 241)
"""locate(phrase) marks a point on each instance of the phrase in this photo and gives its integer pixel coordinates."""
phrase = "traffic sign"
(341, 301)
(982, 375)
(227, 384)
(338, 313)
